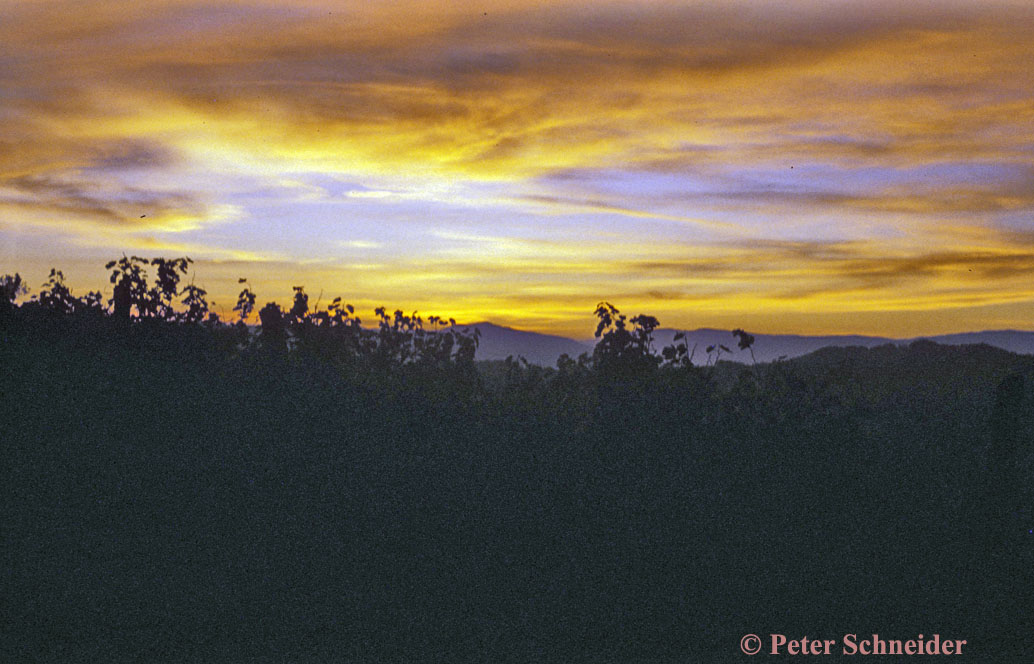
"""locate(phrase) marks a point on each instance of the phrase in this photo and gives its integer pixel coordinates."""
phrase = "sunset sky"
(808, 167)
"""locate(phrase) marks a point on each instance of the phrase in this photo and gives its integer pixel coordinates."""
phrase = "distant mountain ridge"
(498, 342)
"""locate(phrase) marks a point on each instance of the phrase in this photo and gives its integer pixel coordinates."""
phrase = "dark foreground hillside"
(168, 496)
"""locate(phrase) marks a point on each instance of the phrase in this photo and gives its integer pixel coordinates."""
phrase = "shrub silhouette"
(274, 327)
(180, 488)
(621, 349)
(11, 287)
(245, 302)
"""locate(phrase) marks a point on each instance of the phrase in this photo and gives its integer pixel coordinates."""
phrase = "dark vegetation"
(178, 488)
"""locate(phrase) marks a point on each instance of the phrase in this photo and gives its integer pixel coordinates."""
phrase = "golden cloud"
(121, 122)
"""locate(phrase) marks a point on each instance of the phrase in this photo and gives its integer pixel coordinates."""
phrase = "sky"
(787, 167)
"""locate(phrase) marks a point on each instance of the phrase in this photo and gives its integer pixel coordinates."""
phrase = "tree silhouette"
(274, 327)
(379, 492)
(245, 301)
(620, 348)
(11, 287)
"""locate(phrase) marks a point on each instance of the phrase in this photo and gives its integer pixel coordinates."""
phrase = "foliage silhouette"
(11, 288)
(177, 488)
(621, 349)
(245, 302)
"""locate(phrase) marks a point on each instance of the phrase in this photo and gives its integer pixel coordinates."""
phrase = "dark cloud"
(133, 154)
(887, 270)
(126, 208)
(188, 47)
(835, 267)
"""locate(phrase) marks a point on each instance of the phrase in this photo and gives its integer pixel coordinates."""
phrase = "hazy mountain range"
(498, 342)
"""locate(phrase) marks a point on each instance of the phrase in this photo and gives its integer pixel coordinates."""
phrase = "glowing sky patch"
(806, 167)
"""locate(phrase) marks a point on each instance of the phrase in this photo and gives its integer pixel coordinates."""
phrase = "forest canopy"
(305, 482)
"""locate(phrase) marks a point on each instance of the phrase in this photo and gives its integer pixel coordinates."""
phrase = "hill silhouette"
(498, 342)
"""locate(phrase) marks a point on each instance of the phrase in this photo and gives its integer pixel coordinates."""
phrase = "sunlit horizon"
(814, 168)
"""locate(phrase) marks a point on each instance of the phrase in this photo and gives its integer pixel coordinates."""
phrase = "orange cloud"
(523, 160)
